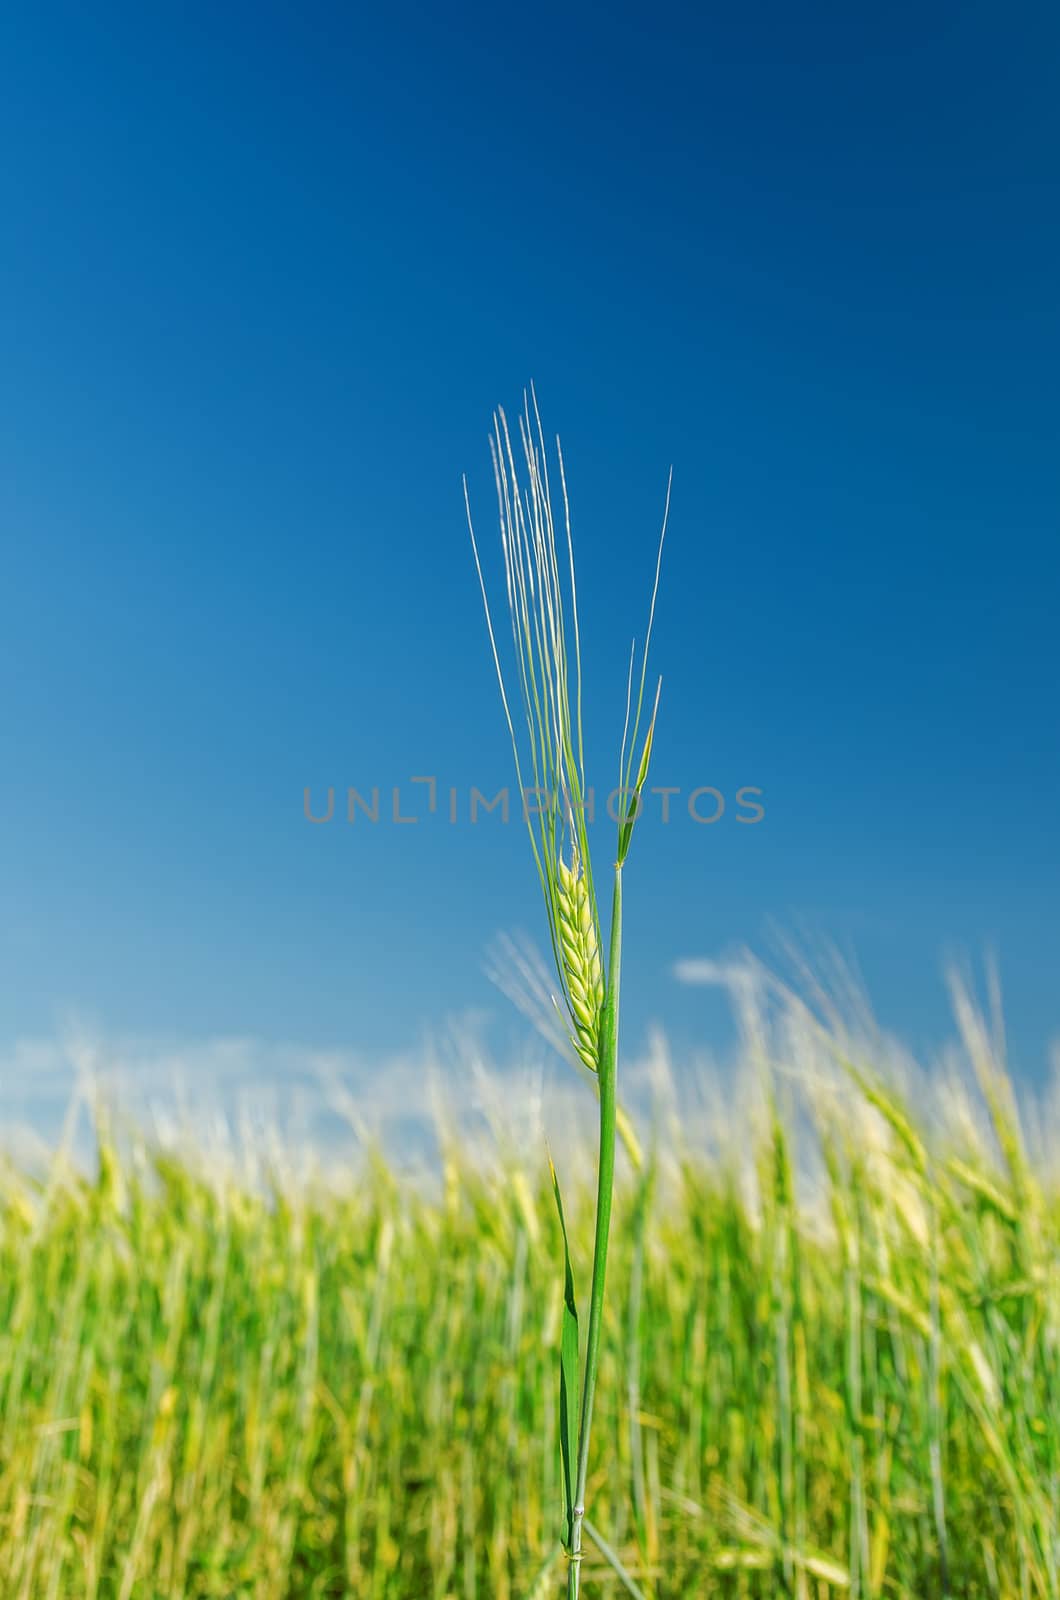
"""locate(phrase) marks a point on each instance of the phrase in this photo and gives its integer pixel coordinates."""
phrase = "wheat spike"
(582, 968)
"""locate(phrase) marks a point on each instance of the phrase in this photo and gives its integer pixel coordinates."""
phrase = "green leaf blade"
(568, 1373)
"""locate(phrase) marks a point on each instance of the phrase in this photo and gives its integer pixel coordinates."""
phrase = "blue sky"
(265, 272)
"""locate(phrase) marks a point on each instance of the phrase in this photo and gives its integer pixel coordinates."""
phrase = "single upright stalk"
(608, 1073)
(543, 619)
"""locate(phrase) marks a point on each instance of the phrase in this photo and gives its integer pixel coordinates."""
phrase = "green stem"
(608, 1073)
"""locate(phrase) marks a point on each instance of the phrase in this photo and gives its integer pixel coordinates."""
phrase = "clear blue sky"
(265, 271)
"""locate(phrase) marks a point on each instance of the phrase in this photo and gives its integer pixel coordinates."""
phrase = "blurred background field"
(831, 1361)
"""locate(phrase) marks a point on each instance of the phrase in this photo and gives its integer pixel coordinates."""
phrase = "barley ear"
(583, 972)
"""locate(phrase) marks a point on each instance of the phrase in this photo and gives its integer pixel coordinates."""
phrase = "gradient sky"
(265, 272)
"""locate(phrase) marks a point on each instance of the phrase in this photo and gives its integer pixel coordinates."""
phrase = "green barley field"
(830, 1362)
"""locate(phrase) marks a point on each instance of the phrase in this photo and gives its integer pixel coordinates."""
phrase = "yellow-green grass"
(829, 1365)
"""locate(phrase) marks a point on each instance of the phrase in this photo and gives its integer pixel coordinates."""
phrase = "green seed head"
(583, 971)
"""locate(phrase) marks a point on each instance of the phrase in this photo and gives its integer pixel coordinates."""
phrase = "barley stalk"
(544, 616)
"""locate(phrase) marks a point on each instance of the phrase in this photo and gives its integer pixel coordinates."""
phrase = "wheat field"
(829, 1366)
